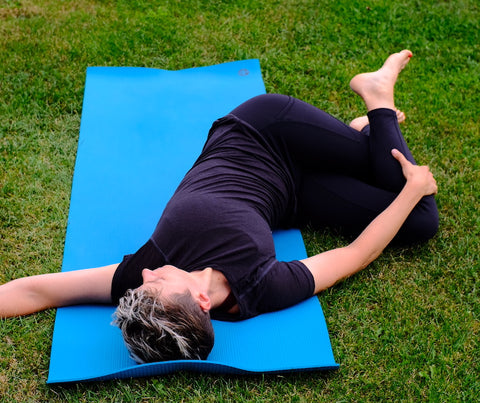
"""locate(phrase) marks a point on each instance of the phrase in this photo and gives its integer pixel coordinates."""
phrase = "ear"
(204, 301)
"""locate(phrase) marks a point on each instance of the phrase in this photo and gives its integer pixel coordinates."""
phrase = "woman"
(273, 162)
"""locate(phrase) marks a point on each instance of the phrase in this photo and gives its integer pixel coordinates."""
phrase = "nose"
(147, 275)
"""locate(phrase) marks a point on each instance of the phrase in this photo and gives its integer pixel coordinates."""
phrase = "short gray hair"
(163, 329)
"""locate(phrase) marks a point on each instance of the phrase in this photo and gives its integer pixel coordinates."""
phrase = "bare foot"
(360, 122)
(376, 88)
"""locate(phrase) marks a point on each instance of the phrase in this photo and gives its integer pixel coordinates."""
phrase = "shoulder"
(282, 285)
(128, 274)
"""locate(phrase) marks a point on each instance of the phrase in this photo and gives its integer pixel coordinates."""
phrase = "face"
(167, 280)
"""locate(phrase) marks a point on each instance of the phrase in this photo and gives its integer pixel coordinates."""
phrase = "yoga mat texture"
(141, 130)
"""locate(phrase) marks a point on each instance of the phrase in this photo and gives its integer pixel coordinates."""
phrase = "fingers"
(399, 157)
(434, 186)
(421, 175)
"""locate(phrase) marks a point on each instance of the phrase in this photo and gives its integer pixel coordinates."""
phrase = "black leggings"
(345, 178)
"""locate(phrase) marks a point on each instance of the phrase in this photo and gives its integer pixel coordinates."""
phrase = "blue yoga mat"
(141, 130)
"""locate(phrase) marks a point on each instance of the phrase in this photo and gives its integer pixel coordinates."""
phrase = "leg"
(313, 139)
(333, 200)
(361, 122)
(348, 204)
(308, 136)
(322, 147)
(377, 91)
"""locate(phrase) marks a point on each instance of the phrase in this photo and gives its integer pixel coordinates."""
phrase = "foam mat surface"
(141, 130)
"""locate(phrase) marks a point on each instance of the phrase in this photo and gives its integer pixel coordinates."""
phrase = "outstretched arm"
(32, 294)
(332, 266)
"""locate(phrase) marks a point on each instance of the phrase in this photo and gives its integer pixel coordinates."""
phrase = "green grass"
(405, 329)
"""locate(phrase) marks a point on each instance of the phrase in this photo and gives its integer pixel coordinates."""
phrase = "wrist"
(414, 189)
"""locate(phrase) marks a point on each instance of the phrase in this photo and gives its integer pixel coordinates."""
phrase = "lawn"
(405, 329)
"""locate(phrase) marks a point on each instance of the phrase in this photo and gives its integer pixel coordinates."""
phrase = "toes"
(400, 116)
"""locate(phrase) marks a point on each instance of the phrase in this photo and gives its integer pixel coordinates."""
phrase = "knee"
(427, 227)
(422, 224)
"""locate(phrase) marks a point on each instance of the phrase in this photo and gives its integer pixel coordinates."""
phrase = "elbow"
(363, 256)
(370, 258)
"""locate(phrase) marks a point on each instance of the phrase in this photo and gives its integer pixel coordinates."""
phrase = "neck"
(215, 284)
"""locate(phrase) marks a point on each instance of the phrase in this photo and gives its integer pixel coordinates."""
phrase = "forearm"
(36, 293)
(334, 265)
(380, 232)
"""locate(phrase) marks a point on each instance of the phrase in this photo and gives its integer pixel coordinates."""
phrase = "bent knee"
(421, 225)
(427, 228)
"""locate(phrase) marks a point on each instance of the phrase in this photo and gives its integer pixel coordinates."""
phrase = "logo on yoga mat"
(243, 72)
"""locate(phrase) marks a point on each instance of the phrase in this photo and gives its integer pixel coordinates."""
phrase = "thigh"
(332, 200)
(349, 204)
(311, 137)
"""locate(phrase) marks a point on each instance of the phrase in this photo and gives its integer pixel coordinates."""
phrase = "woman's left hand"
(417, 175)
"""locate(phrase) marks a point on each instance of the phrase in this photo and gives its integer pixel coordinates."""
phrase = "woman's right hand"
(417, 175)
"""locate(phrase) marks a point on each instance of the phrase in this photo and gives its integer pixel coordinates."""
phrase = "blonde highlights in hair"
(163, 329)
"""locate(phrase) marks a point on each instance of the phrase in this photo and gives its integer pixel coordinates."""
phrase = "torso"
(223, 212)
